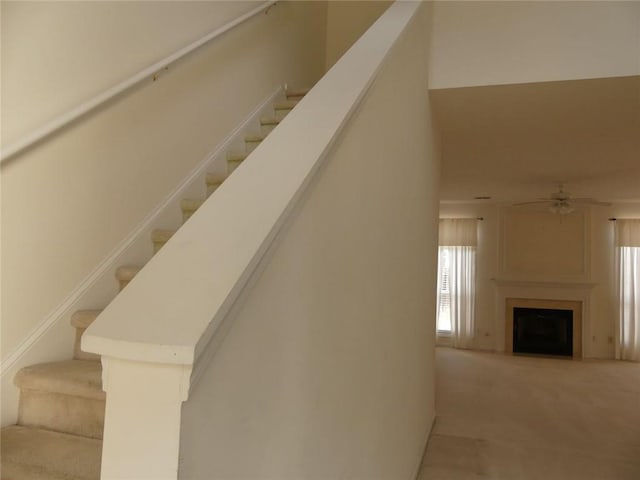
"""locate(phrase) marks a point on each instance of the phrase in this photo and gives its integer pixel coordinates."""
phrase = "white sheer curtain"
(457, 279)
(628, 266)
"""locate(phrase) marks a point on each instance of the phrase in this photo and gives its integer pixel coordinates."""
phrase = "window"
(444, 303)
(628, 268)
(456, 280)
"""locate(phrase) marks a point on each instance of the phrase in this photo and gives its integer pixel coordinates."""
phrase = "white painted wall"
(485, 43)
(598, 239)
(57, 54)
(67, 202)
(328, 368)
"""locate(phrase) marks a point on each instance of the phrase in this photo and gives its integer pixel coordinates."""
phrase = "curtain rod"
(461, 218)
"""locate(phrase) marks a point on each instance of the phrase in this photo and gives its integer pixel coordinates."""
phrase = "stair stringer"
(50, 340)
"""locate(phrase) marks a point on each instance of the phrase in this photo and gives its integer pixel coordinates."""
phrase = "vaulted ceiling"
(516, 142)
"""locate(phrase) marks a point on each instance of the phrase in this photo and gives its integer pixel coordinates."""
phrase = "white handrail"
(149, 72)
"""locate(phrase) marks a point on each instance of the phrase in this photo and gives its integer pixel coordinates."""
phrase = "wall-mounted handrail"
(148, 73)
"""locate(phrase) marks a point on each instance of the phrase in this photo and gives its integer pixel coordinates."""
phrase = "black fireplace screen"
(543, 331)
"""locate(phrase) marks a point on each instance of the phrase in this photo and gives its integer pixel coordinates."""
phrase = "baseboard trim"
(425, 442)
(113, 259)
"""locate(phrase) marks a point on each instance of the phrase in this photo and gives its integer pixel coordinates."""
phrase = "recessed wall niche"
(545, 246)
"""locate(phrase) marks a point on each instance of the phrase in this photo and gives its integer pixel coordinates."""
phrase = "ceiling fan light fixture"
(562, 203)
(561, 208)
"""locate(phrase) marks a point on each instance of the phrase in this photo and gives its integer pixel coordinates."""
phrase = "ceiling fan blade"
(583, 199)
(536, 202)
(589, 201)
(562, 199)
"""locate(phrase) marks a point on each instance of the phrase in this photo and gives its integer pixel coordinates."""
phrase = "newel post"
(142, 419)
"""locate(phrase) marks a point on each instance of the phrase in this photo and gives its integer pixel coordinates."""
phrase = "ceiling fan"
(561, 202)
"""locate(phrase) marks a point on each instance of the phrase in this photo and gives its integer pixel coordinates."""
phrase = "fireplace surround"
(543, 331)
(539, 331)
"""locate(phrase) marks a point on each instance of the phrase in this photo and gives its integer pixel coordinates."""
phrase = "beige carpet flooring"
(505, 417)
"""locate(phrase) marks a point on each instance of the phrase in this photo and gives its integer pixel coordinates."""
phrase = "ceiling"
(517, 142)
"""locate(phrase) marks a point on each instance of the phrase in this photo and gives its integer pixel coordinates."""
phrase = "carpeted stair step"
(125, 274)
(252, 141)
(189, 207)
(213, 181)
(267, 124)
(283, 108)
(80, 320)
(296, 93)
(159, 237)
(63, 396)
(285, 105)
(36, 454)
(234, 160)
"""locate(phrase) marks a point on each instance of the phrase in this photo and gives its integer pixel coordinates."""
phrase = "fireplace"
(545, 331)
(544, 327)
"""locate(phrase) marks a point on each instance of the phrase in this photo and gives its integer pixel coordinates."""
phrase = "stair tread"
(84, 318)
(297, 92)
(254, 138)
(127, 272)
(32, 453)
(269, 121)
(285, 105)
(237, 157)
(162, 234)
(81, 378)
(191, 204)
(214, 179)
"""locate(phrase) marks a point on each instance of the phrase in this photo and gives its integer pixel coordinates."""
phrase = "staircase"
(58, 435)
